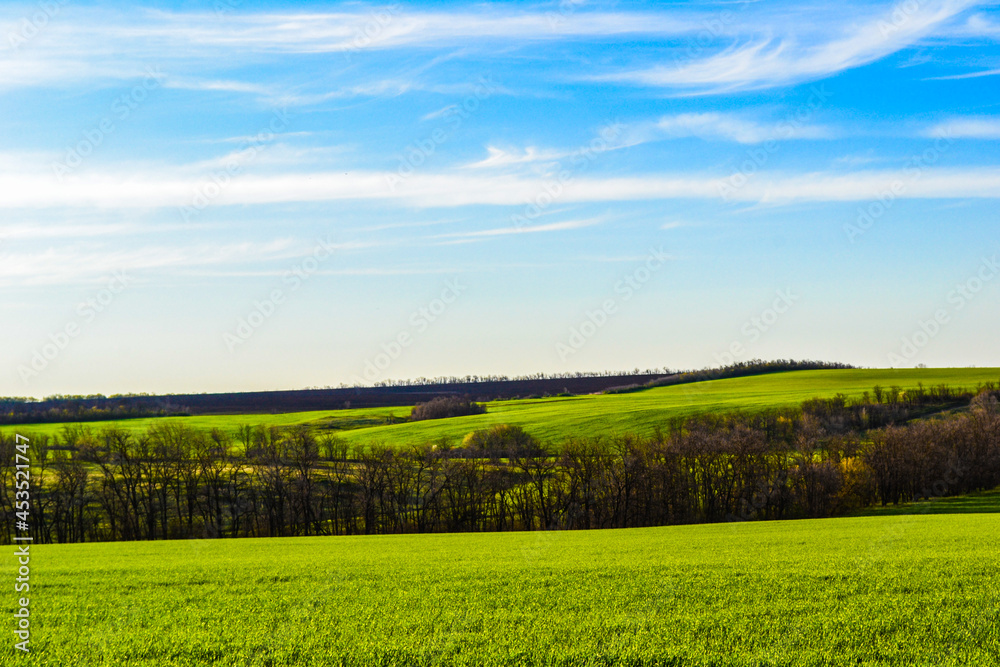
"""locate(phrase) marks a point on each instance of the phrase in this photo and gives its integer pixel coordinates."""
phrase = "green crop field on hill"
(554, 419)
(893, 590)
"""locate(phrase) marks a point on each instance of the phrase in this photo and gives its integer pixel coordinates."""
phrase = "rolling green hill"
(876, 591)
(554, 419)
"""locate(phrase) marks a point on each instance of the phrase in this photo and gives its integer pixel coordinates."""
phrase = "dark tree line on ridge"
(97, 407)
(823, 459)
(83, 408)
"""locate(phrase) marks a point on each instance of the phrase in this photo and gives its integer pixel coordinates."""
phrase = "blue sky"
(239, 196)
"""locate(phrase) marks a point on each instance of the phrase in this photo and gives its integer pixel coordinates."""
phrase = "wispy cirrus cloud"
(173, 188)
(92, 262)
(500, 157)
(967, 75)
(979, 25)
(391, 27)
(88, 44)
(710, 126)
(758, 51)
(765, 61)
(967, 128)
(728, 127)
(22, 231)
(220, 86)
(562, 226)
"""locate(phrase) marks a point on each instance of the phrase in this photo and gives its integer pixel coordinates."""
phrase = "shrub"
(985, 402)
(500, 439)
(443, 407)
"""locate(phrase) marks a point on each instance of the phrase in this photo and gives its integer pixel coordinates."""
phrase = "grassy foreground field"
(554, 419)
(893, 590)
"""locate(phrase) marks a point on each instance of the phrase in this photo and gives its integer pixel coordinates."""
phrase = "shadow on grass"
(983, 502)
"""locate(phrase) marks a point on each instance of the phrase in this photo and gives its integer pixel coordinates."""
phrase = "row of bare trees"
(172, 481)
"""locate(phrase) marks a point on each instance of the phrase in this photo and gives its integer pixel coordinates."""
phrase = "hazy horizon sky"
(228, 196)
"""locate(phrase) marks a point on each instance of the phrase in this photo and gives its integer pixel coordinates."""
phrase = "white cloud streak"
(68, 264)
(967, 128)
(757, 51)
(499, 157)
(88, 44)
(767, 61)
(166, 188)
(320, 32)
(730, 127)
(532, 229)
(968, 75)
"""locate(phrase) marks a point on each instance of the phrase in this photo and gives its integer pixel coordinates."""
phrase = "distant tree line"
(468, 379)
(822, 459)
(57, 409)
(97, 407)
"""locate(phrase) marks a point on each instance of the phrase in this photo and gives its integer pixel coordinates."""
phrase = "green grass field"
(915, 584)
(555, 419)
(893, 590)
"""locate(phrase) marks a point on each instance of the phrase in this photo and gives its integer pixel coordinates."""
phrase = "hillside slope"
(554, 419)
